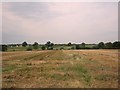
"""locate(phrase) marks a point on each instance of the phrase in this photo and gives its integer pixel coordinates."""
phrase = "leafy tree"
(24, 44)
(108, 45)
(52, 44)
(4, 47)
(116, 44)
(43, 47)
(101, 45)
(49, 45)
(77, 46)
(95, 47)
(69, 44)
(83, 45)
(35, 45)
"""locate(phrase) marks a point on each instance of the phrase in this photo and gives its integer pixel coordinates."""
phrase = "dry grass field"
(60, 69)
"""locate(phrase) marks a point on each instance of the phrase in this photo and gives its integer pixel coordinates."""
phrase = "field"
(60, 69)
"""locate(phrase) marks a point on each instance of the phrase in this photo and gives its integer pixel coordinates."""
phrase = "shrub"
(108, 45)
(101, 45)
(73, 48)
(35, 45)
(29, 49)
(69, 44)
(24, 44)
(49, 45)
(77, 46)
(43, 47)
(61, 48)
(116, 44)
(3, 48)
(50, 48)
(95, 47)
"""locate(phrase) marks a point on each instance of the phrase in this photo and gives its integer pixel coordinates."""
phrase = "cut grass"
(80, 70)
(63, 68)
(83, 72)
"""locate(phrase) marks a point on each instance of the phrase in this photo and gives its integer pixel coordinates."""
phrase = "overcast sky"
(88, 22)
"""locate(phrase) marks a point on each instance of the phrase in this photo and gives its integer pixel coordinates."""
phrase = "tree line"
(50, 46)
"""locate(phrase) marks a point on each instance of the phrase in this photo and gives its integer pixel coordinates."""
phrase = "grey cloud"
(31, 10)
(27, 10)
(60, 22)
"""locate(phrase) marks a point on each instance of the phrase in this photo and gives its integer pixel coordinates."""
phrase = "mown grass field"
(60, 69)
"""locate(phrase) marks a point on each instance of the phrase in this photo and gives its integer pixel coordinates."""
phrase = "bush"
(61, 48)
(87, 48)
(69, 44)
(43, 47)
(101, 45)
(95, 47)
(24, 44)
(49, 48)
(35, 45)
(72, 48)
(108, 45)
(116, 44)
(77, 46)
(83, 45)
(0, 47)
(3, 48)
(29, 49)
(49, 45)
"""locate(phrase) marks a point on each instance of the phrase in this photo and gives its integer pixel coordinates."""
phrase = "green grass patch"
(81, 72)
(17, 48)
(58, 76)
(84, 74)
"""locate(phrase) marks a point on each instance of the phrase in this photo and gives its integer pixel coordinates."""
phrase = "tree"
(101, 45)
(49, 45)
(35, 45)
(52, 44)
(0, 47)
(69, 44)
(24, 44)
(43, 47)
(95, 47)
(77, 46)
(116, 44)
(4, 47)
(83, 45)
(108, 45)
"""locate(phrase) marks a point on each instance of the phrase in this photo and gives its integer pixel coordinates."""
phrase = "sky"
(59, 22)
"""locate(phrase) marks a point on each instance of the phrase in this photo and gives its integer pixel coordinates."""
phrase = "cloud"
(0, 22)
(59, 22)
